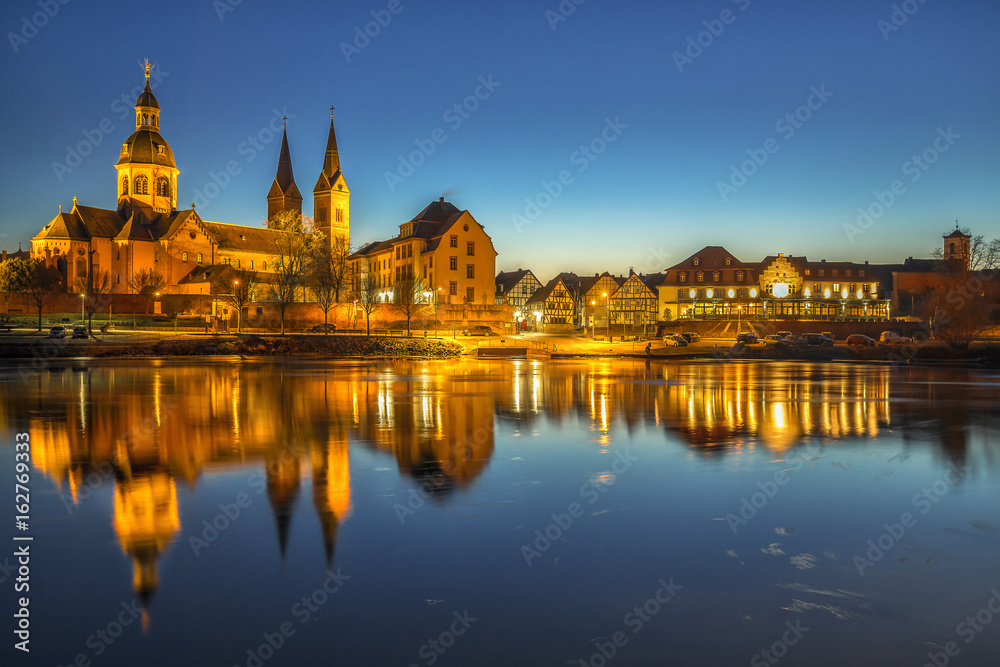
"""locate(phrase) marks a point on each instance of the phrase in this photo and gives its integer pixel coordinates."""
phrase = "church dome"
(147, 98)
(147, 146)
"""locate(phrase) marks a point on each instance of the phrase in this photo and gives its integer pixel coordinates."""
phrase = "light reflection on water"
(546, 499)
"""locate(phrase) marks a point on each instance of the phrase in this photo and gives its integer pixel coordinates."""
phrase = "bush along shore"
(246, 346)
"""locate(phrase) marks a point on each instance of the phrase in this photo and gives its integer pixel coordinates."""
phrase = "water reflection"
(147, 429)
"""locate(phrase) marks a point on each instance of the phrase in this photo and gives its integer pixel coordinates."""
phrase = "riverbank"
(228, 345)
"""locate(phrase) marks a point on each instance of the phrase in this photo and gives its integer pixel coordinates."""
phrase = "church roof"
(284, 180)
(135, 230)
(207, 274)
(147, 146)
(240, 237)
(957, 234)
(64, 226)
(146, 97)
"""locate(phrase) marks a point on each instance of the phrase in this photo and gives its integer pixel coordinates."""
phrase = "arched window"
(264, 267)
(162, 187)
(184, 257)
(739, 276)
(239, 264)
(124, 185)
(951, 248)
(697, 261)
(141, 185)
(200, 257)
(682, 277)
(251, 265)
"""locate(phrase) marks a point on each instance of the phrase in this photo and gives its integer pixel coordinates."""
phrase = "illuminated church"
(147, 231)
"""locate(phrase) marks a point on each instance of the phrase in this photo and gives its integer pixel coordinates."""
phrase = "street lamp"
(694, 303)
(83, 298)
(607, 312)
(538, 319)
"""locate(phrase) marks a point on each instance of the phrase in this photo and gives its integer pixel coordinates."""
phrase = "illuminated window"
(124, 185)
(340, 215)
(200, 258)
(162, 187)
(251, 265)
(184, 257)
(682, 277)
(141, 185)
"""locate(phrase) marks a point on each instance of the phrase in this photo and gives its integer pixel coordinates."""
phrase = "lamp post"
(83, 298)
(607, 313)
(517, 321)
(753, 295)
(694, 303)
(593, 320)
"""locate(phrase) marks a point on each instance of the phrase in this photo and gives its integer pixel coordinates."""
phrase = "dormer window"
(682, 277)
(124, 149)
(701, 277)
(729, 261)
(159, 149)
(739, 276)
(697, 261)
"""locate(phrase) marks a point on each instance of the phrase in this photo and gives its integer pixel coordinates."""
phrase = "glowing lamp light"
(518, 316)
(826, 294)
(843, 294)
(538, 315)
(860, 294)
(691, 294)
(732, 293)
(709, 293)
(753, 292)
(780, 290)
(807, 293)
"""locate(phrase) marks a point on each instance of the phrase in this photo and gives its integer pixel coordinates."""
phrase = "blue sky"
(645, 194)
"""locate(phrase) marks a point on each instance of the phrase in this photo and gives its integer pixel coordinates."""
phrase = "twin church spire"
(331, 197)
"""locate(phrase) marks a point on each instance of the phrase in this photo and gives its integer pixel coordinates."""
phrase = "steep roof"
(241, 237)
(207, 274)
(284, 179)
(507, 280)
(437, 211)
(542, 293)
(957, 234)
(709, 257)
(64, 226)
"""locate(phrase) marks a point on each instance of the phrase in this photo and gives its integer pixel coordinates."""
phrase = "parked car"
(775, 339)
(829, 335)
(324, 328)
(860, 340)
(674, 340)
(478, 330)
(894, 338)
(691, 337)
(786, 334)
(79, 331)
(746, 338)
(57, 332)
(817, 339)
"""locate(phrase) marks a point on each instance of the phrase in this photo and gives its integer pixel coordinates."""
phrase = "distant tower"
(957, 248)
(147, 175)
(331, 196)
(284, 194)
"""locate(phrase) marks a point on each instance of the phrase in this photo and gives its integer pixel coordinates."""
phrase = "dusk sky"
(882, 93)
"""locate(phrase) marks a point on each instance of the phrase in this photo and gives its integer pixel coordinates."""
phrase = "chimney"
(822, 261)
(441, 199)
(866, 262)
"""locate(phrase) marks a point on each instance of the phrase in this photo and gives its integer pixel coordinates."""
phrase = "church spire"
(284, 194)
(331, 163)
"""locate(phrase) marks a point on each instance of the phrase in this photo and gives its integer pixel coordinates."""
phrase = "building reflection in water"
(147, 429)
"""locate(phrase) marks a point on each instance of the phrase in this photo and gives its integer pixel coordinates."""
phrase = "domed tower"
(147, 175)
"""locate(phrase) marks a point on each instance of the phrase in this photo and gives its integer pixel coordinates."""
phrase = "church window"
(184, 257)
(145, 119)
(239, 264)
(162, 187)
(951, 248)
(340, 215)
(141, 185)
(124, 185)
(200, 257)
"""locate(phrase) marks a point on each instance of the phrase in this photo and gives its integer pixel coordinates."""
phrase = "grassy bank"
(244, 345)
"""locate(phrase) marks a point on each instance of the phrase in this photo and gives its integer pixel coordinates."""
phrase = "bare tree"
(983, 254)
(409, 297)
(95, 288)
(965, 307)
(368, 297)
(295, 242)
(237, 292)
(32, 277)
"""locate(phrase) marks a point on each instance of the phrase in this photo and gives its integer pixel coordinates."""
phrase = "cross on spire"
(331, 112)
(146, 65)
